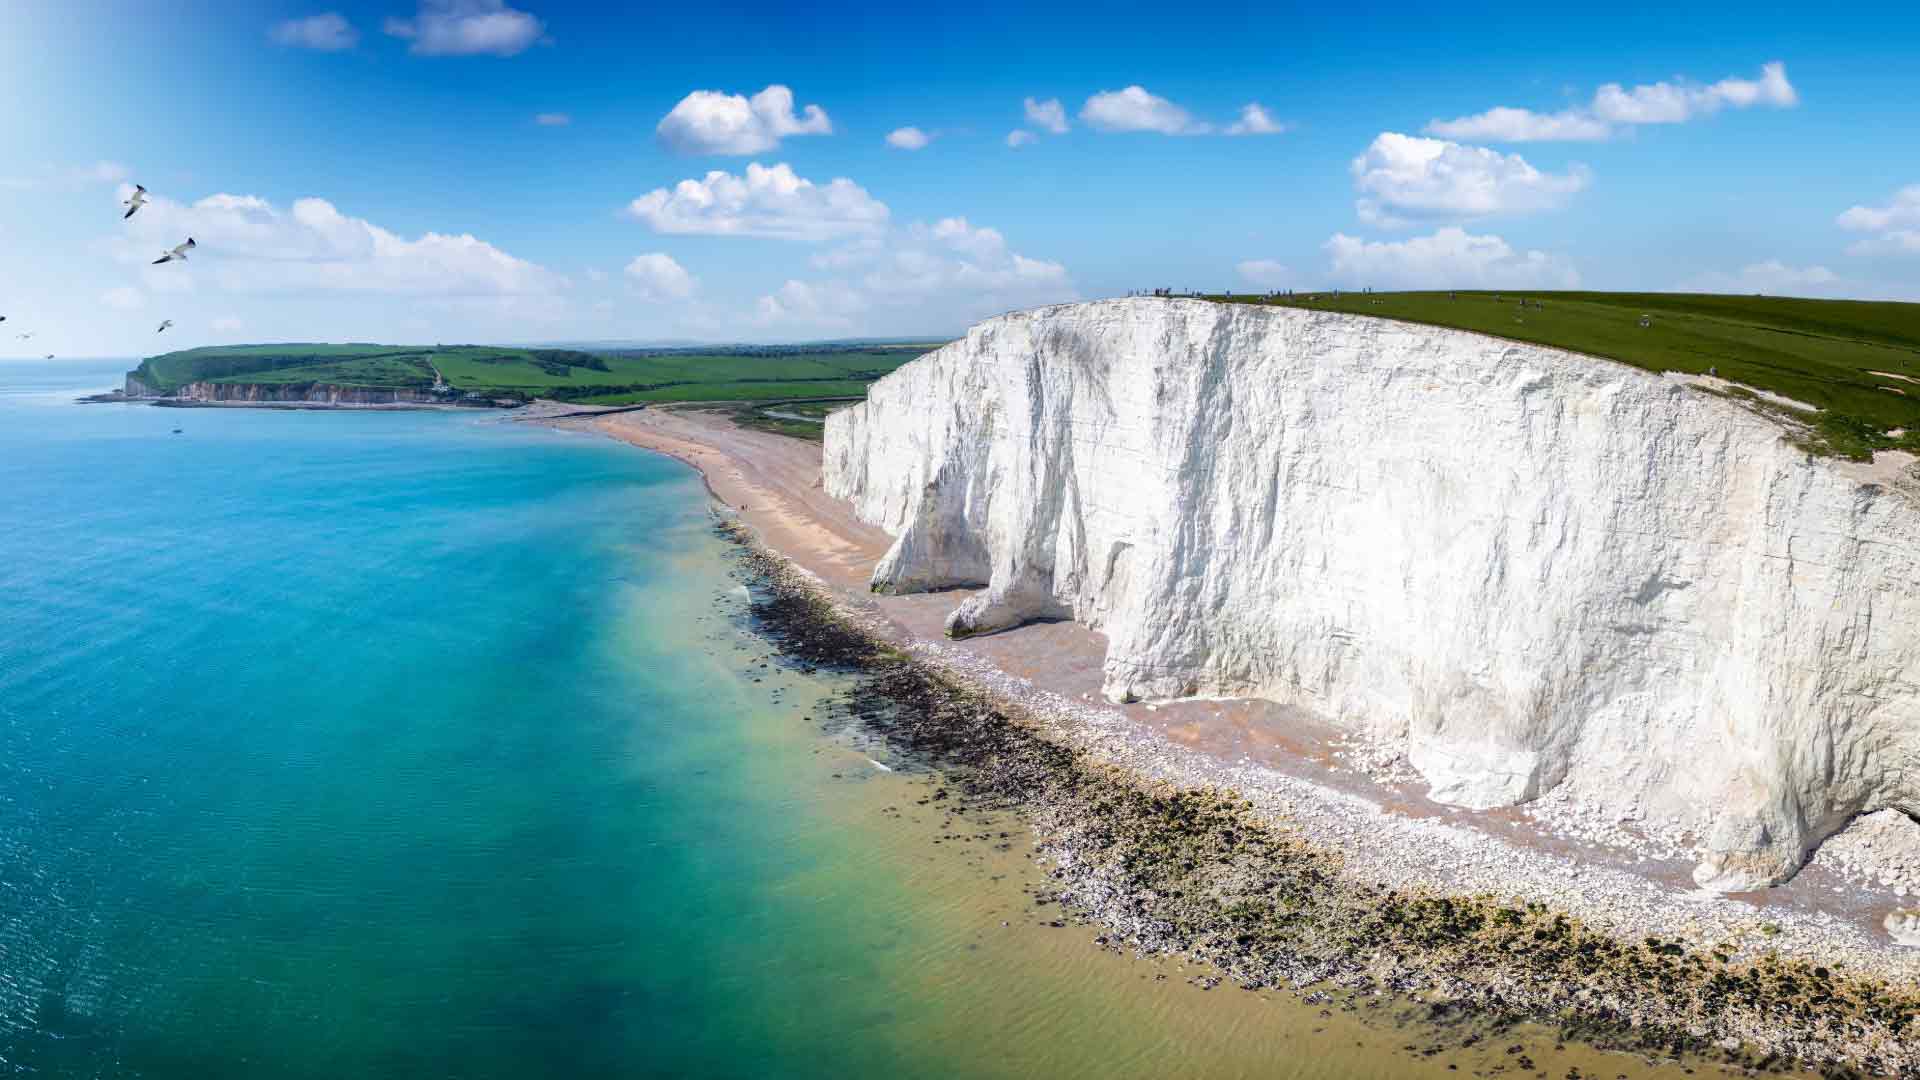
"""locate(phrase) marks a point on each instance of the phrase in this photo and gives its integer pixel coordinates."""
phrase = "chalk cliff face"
(280, 393)
(1533, 567)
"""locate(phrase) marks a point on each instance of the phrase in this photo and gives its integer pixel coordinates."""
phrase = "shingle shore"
(1282, 883)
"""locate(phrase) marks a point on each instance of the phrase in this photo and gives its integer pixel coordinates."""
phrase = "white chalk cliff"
(1535, 568)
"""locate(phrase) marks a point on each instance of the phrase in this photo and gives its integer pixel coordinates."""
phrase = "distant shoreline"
(537, 410)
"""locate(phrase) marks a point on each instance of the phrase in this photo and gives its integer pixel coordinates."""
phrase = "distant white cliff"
(1533, 568)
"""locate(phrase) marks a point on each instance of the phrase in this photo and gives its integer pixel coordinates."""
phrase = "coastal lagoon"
(402, 744)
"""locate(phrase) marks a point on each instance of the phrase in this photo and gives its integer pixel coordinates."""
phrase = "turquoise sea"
(434, 744)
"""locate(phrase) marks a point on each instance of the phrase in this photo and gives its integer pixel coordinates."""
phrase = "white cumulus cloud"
(655, 276)
(1449, 258)
(908, 138)
(1134, 109)
(248, 244)
(327, 32)
(467, 28)
(1020, 137)
(712, 122)
(1405, 178)
(1265, 273)
(767, 202)
(1049, 115)
(1615, 106)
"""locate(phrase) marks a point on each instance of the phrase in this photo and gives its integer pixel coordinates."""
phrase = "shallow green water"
(414, 744)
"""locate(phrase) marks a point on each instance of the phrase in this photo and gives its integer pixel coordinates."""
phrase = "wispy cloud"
(908, 138)
(1614, 107)
(951, 267)
(1896, 226)
(552, 119)
(1049, 115)
(252, 246)
(1266, 273)
(1254, 120)
(1449, 258)
(1135, 109)
(326, 32)
(1771, 277)
(467, 28)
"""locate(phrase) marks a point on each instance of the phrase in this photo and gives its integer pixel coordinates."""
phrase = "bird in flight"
(177, 252)
(49, 356)
(134, 202)
(26, 335)
(164, 323)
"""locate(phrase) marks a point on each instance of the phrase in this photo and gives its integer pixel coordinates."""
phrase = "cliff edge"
(1528, 567)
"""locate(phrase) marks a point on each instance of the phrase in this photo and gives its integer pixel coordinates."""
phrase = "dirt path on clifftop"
(1269, 752)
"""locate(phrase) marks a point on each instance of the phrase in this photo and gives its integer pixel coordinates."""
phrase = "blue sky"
(379, 171)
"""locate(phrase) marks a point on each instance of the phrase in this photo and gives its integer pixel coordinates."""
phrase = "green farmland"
(601, 378)
(1851, 359)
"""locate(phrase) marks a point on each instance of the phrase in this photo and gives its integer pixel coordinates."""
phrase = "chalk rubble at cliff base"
(1528, 572)
(1303, 885)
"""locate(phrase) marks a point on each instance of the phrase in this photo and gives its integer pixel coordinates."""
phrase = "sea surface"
(440, 745)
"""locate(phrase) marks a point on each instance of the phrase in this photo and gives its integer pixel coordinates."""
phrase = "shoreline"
(1710, 970)
(539, 410)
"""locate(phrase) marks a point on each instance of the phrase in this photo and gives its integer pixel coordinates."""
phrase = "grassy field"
(1827, 353)
(376, 371)
(258, 363)
(799, 419)
(609, 378)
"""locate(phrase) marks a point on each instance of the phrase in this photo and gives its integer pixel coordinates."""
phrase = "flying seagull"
(134, 202)
(179, 252)
(164, 323)
(26, 335)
